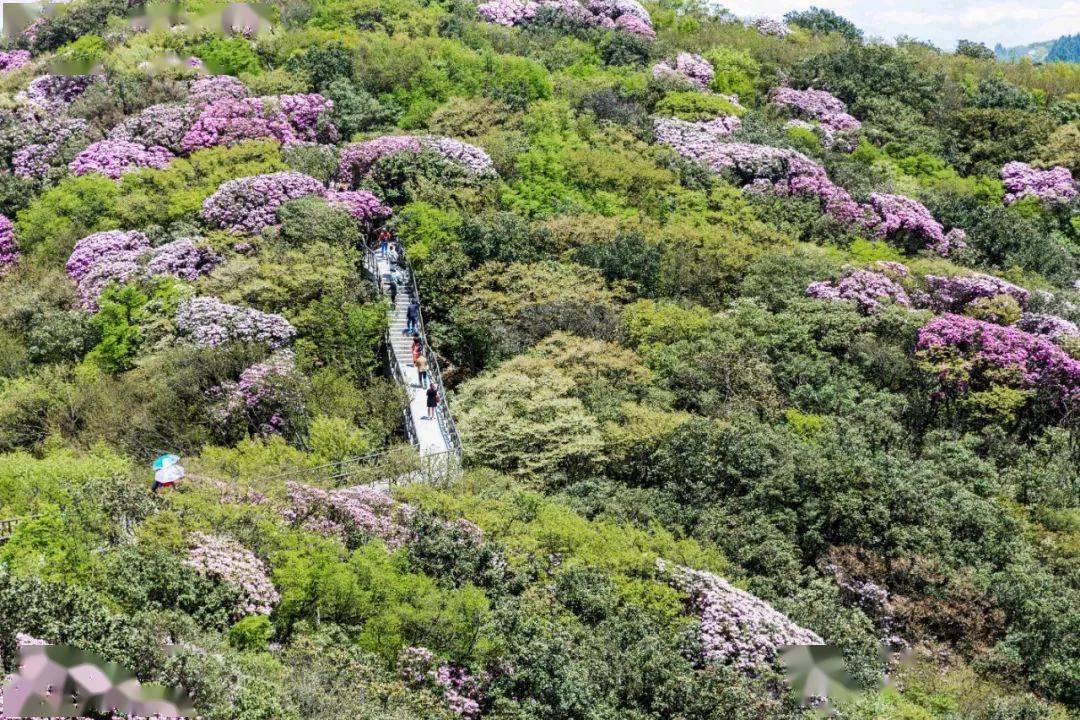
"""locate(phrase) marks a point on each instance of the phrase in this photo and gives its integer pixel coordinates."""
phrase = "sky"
(942, 22)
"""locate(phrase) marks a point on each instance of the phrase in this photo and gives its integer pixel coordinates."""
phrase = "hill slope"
(755, 335)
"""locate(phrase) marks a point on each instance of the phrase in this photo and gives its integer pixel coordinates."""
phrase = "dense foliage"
(756, 333)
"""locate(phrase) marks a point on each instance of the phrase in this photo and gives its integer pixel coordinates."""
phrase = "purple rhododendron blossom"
(627, 15)
(954, 293)
(12, 60)
(227, 561)
(866, 288)
(113, 158)
(182, 259)
(1023, 181)
(897, 217)
(816, 105)
(1048, 326)
(688, 66)
(309, 115)
(231, 120)
(769, 26)
(357, 159)
(46, 135)
(208, 89)
(737, 628)
(102, 258)
(164, 125)
(262, 396)
(9, 250)
(966, 353)
(210, 322)
(368, 210)
(247, 205)
(49, 90)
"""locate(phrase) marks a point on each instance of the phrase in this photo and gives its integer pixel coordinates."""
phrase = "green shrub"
(251, 633)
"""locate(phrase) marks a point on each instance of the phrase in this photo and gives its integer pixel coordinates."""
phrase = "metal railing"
(447, 425)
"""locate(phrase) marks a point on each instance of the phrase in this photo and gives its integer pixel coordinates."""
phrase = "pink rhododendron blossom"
(113, 158)
(230, 120)
(1023, 181)
(969, 354)
(737, 628)
(866, 288)
(210, 322)
(688, 66)
(461, 691)
(247, 205)
(226, 560)
(9, 250)
(360, 510)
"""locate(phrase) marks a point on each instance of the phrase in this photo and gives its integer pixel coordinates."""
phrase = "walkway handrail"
(447, 425)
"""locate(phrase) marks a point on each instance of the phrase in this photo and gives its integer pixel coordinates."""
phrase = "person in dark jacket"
(412, 316)
(392, 288)
(432, 400)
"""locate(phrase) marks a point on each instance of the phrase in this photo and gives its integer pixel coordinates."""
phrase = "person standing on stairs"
(392, 289)
(421, 369)
(417, 349)
(432, 400)
(412, 317)
(384, 241)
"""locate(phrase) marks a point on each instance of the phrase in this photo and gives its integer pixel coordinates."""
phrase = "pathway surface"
(432, 434)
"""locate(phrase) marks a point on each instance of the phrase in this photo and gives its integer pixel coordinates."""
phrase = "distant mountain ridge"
(1063, 49)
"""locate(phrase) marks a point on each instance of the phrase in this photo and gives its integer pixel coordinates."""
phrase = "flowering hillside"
(756, 332)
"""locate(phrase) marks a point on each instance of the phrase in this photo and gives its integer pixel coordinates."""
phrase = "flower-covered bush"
(226, 560)
(628, 15)
(209, 88)
(210, 322)
(737, 628)
(357, 159)
(360, 512)
(867, 288)
(182, 259)
(969, 354)
(953, 293)
(9, 249)
(164, 125)
(113, 158)
(816, 105)
(909, 223)
(59, 90)
(460, 690)
(770, 26)
(368, 210)
(12, 60)
(43, 141)
(688, 66)
(247, 205)
(102, 258)
(1023, 181)
(309, 115)
(263, 399)
(231, 120)
(1049, 326)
